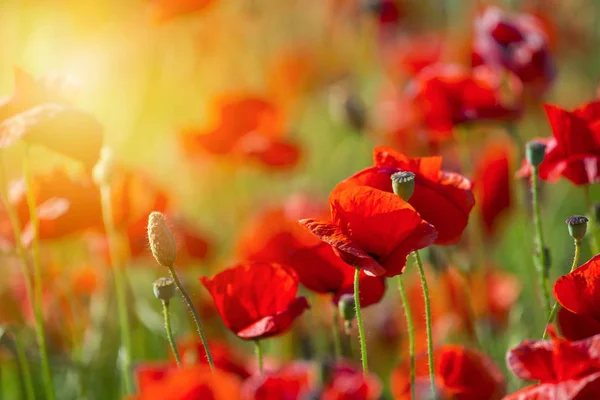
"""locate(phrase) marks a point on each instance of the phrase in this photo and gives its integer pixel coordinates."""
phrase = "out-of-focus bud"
(347, 310)
(535, 152)
(347, 107)
(164, 289)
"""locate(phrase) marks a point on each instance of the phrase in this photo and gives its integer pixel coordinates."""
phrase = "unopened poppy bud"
(547, 257)
(535, 153)
(162, 241)
(103, 171)
(347, 310)
(403, 183)
(164, 289)
(577, 225)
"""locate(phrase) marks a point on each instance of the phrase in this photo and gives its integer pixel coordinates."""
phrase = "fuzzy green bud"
(535, 153)
(162, 241)
(164, 289)
(403, 183)
(347, 310)
(577, 225)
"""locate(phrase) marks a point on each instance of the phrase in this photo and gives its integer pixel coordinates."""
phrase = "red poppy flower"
(372, 229)
(579, 291)
(157, 382)
(573, 151)
(166, 10)
(447, 95)
(224, 357)
(292, 381)
(565, 370)
(518, 43)
(461, 374)
(576, 327)
(256, 300)
(276, 236)
(412, 54)
(65, 205)
(442, 198)
(248, 127)
(492, 185)
(347, 382)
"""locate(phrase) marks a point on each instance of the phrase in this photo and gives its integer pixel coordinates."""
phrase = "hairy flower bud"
(403, 183)
(577, 225)
(164, 289)
(347, 310)
(162, 241)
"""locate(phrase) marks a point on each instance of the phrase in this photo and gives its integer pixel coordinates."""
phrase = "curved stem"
(25, 370)
(427, 322)
(40, 331)
(337, 341)
(190, 305)
(359, 321)
(540, 256)
(573, 267)
(167, 317)
(411, 335)
(259, 355)
(120, 281)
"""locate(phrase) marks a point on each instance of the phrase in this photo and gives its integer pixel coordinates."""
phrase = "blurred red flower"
(518, 43)
(447, 95)
(579, 291)
(461, 374)
(160, 381)
(565, 370)
(38, 114)
(573, 151)
(372, 229)
(444, 199)
(492, 184)
(247, 127)
(256, 300)
(410, 55)
(275, 236)
(65, 205)
(224, 357)
(166, 10)
(298, 380)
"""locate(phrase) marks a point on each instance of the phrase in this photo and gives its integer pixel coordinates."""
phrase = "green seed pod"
(403, 183)
(577, 225)
(535, 153)
(164, 289)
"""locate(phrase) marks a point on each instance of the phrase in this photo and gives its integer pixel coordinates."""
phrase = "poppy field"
(318, 199)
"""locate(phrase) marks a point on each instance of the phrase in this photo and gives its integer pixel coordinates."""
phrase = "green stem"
(25, 370)
(190, 305)
(573, 267)
(259, 356)
(411, 335)
(337, 341)
(120, 281)
(540, 256)
(592, 224)
(40, 331)
(165, 309)
(427, 322)
(359, 321)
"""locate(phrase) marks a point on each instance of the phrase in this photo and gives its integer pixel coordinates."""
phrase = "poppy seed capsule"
(577, 225)
(162, 241)
(164, 289)
(535, 153)
(403, 183)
